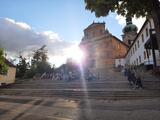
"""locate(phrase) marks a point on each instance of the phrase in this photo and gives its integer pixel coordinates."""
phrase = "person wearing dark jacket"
(138, 75)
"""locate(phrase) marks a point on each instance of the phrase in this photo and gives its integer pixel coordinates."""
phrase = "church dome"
(130, 28)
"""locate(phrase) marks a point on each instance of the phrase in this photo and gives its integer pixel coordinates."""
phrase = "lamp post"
(153, 47)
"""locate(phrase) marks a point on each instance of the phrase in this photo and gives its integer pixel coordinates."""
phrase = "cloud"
(19, 38)
(137, 21)
(19, 24)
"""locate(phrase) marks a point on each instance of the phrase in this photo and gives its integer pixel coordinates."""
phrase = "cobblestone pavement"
(36, 108)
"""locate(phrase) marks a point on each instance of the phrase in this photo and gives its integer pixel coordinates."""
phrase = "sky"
(25, 25)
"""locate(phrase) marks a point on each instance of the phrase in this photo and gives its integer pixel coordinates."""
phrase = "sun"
(75, 53)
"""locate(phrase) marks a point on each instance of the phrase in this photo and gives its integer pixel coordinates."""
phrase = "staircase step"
(112, 86)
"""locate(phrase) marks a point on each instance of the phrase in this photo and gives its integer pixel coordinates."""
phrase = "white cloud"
(19, 37)
(121, 20)
(51, 35)
(58, 59)
(137, 21)
(19, 24)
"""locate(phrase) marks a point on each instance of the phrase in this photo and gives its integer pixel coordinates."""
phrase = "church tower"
(130, 32)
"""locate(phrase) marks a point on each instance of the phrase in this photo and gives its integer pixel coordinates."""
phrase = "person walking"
(138, 75)
(131, 76)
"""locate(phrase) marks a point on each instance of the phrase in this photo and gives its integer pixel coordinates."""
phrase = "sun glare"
(75, 53)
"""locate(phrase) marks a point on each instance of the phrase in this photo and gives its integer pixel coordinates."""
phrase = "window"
(101, 31)
(146, 32)
(144, 55)
(142, 38)
(150, 24)
(135, 47)
(149, 52)
(133, 50)
(138, 43)
(139, 59)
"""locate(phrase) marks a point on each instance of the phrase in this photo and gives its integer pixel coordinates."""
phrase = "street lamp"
(151, 32)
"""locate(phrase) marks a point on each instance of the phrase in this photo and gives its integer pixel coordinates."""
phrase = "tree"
(39, 55)
(22, 67)
(128, 8)
(39, 61)
(3, 66)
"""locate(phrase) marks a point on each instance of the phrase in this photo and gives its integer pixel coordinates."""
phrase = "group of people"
(134, 77)
(59, 76)
(46, 75)
(66, 76)
(90, 76)
(69, 76)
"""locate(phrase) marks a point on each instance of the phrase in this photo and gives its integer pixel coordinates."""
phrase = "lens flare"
(75, 53)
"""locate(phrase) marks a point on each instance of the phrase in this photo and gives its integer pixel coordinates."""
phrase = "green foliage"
(3, 66)
(38, 66)
(40, 55)
(22, 67)
(30, 73)
(128, 8)
(121, 7)
(39, 61)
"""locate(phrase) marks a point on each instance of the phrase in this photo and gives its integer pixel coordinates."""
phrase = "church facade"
(101, 48)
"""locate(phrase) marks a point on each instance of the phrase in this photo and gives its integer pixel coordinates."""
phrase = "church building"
(101, 48)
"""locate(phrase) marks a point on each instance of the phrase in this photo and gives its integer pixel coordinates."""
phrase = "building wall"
(137, 54)
(108, 50)
(118, 49)
(10, 77)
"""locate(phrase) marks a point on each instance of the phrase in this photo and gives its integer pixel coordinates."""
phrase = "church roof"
(94, 24)
(130, 28)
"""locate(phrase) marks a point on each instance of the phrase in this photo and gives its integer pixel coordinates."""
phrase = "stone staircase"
(113, 86)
